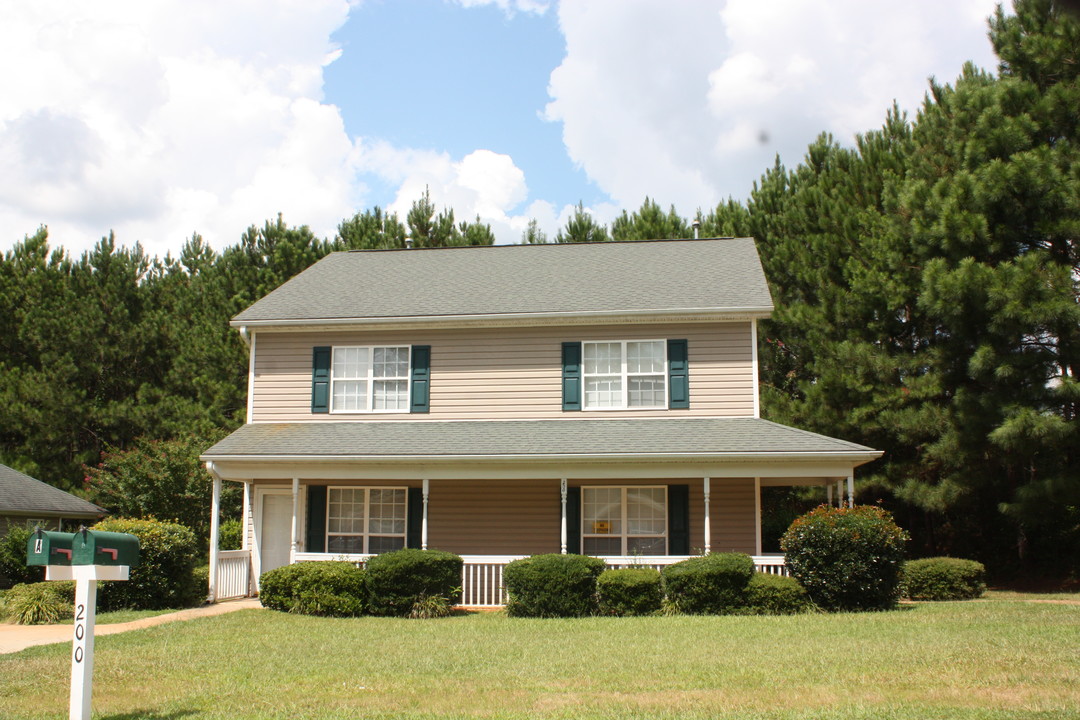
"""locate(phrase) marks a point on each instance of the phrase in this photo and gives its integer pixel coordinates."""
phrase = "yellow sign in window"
(601, 527)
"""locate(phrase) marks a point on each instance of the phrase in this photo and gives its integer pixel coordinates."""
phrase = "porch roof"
(719, 438)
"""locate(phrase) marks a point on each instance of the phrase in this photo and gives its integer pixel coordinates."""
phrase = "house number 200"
(80, 630)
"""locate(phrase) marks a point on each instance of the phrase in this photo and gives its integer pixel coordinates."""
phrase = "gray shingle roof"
(536, 438)
(21, 494)
(664, 275)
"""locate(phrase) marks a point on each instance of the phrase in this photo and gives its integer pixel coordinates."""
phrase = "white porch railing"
(482, 575)
(233, 574)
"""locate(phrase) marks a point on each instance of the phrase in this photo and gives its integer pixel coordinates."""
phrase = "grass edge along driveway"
(993, 659)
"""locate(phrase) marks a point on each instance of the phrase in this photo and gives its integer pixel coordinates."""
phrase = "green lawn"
(997, 658)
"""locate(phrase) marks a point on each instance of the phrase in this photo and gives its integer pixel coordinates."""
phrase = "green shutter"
(320, 380)
(316, 518)
(571, 376)
(573, 520)
(414, 518)
(678, 374)
(421, 379)
(678, 498)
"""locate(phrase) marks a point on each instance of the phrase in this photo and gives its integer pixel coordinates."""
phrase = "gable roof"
(710, 276)
(21, 494)
(706, 438)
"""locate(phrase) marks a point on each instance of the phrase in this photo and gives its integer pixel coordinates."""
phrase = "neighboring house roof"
(21, 494)
(594, 438)
(615, 278)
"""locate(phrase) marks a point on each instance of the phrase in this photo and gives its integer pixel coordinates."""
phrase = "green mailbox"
(46, 547)
(94, 547)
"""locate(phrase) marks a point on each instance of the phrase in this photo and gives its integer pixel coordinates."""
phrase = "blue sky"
(159, 120)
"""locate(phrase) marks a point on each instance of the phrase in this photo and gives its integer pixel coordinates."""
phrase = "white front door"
(275, 529)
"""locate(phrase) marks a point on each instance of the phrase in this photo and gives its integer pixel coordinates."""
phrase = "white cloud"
(161, 119)
(536, 7)
(689, 102)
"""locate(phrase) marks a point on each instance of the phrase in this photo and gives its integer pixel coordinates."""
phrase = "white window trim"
(664, 374)
(366, 534)
(624, 535)
(369, 400)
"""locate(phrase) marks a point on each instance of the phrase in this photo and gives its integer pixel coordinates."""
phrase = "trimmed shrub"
(711, 584)
(552, 585)
(400, 580)
(330, 588)
(164, 576)
(629, 591)
(943, 578)
(13, 567)
(230, 535)
(847, 558)
(776, 595)
(40, 603)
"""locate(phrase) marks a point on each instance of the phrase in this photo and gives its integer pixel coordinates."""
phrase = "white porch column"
(247, 527)
(215, 511)
(839, 493)
(851, 491)
(828, 494)
(423, 522)
(708, 518)
(562, 534)
(294, 546)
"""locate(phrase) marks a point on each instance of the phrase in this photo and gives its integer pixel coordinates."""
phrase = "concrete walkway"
(14, 638)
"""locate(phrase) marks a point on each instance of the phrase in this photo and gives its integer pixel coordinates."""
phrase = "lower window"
(365, 520)
(624, 520)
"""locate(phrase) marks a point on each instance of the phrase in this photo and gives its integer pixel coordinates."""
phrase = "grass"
(121, 616)
(988, 660)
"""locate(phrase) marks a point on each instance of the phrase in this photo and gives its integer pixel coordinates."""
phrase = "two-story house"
(504, 401)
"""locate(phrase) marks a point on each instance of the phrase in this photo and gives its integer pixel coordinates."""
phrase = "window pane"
(378, 545)
(602, 545)
(345, 544)
(646, 546)
(346, 511)
(602, 358)
(350, 395)
(646, 513)
(350, 363)
(645, 392)
(603, 392)
(391, 362)
(645, 357)
(387, 511)
(391, 395)
(601, 511)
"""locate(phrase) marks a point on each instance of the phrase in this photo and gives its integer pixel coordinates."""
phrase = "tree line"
(926, 282)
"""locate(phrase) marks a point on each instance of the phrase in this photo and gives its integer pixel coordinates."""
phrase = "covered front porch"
(644, 495)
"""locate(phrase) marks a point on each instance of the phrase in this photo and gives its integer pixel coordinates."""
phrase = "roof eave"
(750, 312)
(858, 457)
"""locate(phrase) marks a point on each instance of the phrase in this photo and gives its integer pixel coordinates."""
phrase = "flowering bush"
(846, 558)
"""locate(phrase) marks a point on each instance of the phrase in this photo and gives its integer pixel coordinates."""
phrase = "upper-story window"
(370, 379)
(624, 374)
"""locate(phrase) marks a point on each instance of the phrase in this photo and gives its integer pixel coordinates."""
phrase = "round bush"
(329, 588)
(776, 595)
(164, 577)
(403, 582)
(846, 558)
(711, 584)
(943, 578)
(13, 567)
(230, 535)
(552, 585)
(629, 591)
(40, 603)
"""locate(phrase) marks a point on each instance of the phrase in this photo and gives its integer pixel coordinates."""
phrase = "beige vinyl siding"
(505, 373)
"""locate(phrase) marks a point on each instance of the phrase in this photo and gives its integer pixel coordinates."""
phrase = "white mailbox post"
(74, 556)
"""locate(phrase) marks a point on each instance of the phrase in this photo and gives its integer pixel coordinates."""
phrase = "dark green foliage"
(328, 588)
(164, 577)
(13, 567)
(629, 591)
(847, 558)
(650, 223)
(41, 603)
(400, 579)
(776, 595)
(230, 535)
(582, 228)
(710, 584)
(943, 578)
(162, 479)
(552, 585)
